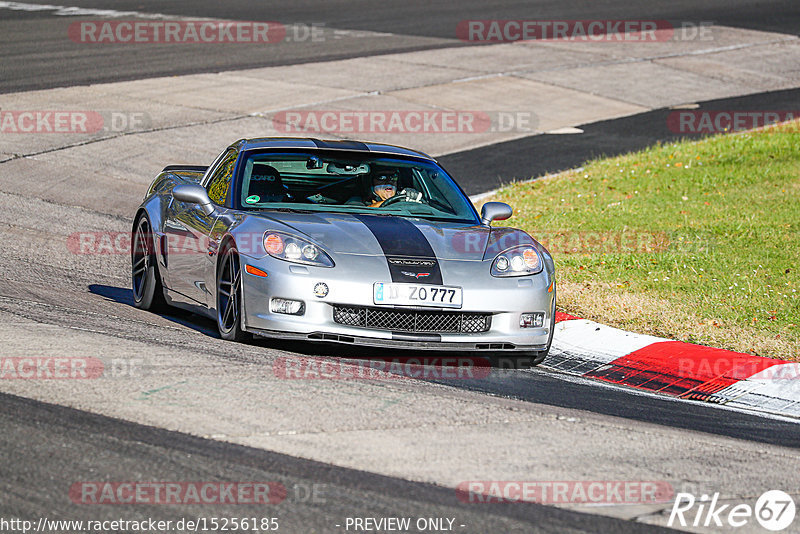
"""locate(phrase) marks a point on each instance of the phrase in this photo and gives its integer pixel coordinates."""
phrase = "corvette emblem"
(416, 275)
(321, 289)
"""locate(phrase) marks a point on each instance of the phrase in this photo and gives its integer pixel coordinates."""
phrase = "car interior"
(333, 183)
(310, 182)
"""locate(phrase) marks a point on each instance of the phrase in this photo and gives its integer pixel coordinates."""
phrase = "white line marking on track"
(72, 11)
(569, 130)
(69, 11)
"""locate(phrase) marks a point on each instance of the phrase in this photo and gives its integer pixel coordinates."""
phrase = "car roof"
(312, 143)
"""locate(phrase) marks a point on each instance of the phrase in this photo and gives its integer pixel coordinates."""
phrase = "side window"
(220, 182)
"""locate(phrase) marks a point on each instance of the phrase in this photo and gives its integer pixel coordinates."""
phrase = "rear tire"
(148, 292)
(229, 296)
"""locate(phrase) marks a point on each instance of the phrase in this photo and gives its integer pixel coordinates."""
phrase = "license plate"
(417, 295)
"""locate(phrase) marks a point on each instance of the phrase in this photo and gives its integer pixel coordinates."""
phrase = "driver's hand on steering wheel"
(412, 195)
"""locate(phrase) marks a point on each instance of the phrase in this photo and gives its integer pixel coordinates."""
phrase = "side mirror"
(495, 211)
(193, 194)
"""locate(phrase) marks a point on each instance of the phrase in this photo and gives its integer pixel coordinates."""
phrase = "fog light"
(531, 320)
(289, 307)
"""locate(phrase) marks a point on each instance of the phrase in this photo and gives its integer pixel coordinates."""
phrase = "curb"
(683, 370)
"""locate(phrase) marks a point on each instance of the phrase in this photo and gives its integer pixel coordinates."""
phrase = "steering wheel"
(395, 199)
(407, 195)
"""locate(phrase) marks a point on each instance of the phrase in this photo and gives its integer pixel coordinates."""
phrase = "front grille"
(398, 320)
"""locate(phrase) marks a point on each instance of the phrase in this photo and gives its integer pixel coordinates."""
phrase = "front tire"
(229, 296)
(148, 292)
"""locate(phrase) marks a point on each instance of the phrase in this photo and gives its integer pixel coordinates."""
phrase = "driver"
(384, 187)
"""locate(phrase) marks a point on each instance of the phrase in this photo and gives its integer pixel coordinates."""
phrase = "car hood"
(345, 233)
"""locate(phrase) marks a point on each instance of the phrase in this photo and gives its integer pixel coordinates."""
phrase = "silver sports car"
(342, 241)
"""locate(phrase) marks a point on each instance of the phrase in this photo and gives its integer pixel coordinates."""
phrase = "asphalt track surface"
(544, 387)
(46, 447)
(37, 53)
(559, 390)
(494, 165)
(70, 444)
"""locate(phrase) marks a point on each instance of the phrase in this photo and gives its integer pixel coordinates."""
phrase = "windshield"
(351, 183)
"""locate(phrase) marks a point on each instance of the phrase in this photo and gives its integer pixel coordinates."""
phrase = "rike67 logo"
(774, 510)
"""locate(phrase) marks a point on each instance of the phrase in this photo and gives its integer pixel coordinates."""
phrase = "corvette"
(345, 242)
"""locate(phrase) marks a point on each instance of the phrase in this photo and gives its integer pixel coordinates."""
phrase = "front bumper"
(504, 298)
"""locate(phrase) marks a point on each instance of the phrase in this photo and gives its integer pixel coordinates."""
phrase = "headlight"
(289, 248)
(517, 261)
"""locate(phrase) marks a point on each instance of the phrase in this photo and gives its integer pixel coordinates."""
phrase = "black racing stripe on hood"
(408, 253)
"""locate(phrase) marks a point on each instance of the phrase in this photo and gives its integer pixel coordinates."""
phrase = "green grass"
(710, 229)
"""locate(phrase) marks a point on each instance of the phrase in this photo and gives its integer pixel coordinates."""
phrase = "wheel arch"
(156, 223)
(227, 240)
(156, 300)
(223, 244)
